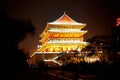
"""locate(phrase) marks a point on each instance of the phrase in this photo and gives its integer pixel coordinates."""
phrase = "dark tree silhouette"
(116, 38)
(12, 32)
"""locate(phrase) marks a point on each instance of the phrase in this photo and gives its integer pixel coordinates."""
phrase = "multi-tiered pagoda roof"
(62, 33)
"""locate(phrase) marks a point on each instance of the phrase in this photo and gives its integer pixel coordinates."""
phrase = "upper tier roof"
(65, 19)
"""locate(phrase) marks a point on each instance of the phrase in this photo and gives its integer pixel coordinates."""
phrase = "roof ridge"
(65, 19)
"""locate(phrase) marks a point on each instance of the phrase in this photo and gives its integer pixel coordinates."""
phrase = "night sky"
(99, 15)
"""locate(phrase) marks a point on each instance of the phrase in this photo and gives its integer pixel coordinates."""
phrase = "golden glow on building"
(63, 34)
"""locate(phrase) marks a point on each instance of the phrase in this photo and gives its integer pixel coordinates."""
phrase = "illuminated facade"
(61, 35)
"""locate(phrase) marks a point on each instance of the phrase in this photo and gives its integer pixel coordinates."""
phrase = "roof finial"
(64, 12)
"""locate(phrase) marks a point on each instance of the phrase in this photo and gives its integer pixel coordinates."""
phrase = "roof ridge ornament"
(64, 12)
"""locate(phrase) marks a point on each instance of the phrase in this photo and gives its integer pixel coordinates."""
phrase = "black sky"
(98, 14)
